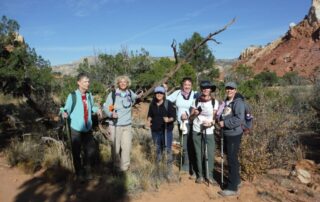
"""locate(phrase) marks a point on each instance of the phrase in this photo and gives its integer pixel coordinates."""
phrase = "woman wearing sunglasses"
(161, 116)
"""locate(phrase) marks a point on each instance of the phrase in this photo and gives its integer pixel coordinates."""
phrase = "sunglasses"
(229, 88)
(159, 93)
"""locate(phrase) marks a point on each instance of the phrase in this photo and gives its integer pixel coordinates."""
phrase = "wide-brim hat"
(207, 84)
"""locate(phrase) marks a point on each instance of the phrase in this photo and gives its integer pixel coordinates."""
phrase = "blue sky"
(63, 31)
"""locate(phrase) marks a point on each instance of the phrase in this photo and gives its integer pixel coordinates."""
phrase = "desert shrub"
(267, 78)
(27, 153)
(315, 104)
(274, 140)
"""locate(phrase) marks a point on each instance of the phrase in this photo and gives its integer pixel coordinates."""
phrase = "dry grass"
(274, 141)
(27, 154)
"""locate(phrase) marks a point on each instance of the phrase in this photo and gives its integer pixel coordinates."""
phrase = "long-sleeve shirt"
(156, 113)
(123, 103)
(183, 105)
(77, 120)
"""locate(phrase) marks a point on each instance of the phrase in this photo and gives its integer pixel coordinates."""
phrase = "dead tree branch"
(187, 58)
(174, 48)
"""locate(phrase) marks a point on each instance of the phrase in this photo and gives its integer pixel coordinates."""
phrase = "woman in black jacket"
(161, 116)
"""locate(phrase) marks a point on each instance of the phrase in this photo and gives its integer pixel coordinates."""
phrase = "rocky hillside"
(298, 50)
(71, 69)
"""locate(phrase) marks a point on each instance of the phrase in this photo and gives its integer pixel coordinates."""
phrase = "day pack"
(248, 119)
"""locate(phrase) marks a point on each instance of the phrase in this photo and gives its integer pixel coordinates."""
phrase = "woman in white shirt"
(203, 115)
(183, 99)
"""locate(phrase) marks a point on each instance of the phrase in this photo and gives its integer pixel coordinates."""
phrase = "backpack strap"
(113, 96)
(74, 101)
(213, 102)
(166, 105)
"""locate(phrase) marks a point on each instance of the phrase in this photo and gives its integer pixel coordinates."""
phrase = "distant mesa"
(298, 50)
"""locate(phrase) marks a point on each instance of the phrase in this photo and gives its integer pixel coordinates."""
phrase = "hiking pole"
(206, 154)
(115, 144)
(67, 125)
(221, 131)
(165, 142)
(181, 148)
(165, 146)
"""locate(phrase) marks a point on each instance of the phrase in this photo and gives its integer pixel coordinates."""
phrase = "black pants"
(232, 146)
(83, 142)
(189, 156)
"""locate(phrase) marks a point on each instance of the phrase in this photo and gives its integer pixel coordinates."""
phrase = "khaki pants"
(122, 142)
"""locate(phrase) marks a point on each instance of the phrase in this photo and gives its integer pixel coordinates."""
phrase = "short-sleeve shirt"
(205, 115)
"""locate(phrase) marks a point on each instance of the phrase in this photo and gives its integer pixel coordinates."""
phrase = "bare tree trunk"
(187, 58)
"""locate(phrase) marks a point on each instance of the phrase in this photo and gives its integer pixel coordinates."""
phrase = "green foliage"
(158, 70)
(267, 78)
(249, 89)
(108, 67)
(242, 73)
(291, 78)
(203, 58)
(66, 85)
(18, 62)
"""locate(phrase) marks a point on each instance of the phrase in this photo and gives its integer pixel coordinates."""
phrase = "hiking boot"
(199, 180)
(227, 192)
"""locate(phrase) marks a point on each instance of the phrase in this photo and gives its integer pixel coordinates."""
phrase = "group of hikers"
(197, 114)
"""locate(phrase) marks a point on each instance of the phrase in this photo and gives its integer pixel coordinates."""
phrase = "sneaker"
(199, 180)
(227, 192)
(212, 182)
(192, 177)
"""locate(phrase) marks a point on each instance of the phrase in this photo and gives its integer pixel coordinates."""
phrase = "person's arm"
(171, 112)
(194, 111)
(67, 106)
(173, 97)
(108, 107)
(238, 116)
(149, 117)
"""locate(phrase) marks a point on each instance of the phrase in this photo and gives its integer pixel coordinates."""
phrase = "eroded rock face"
(314, 12)
(298, 50)
(249, 52)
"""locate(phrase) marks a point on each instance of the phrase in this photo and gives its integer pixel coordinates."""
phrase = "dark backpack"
(248, 118)
(213, 102)
(113, 96)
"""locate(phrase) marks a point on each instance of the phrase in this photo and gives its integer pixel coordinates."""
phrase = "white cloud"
(81, 8)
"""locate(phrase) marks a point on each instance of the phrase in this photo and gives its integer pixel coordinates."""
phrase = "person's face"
(206, 91)
(84, 84)
(187, 86)
(123, 84)
(230, 92)
(159, 96)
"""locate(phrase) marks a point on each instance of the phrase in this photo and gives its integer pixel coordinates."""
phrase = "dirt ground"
(274, 186)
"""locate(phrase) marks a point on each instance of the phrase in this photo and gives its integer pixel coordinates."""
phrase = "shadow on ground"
(311, 142)
(56, 184)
